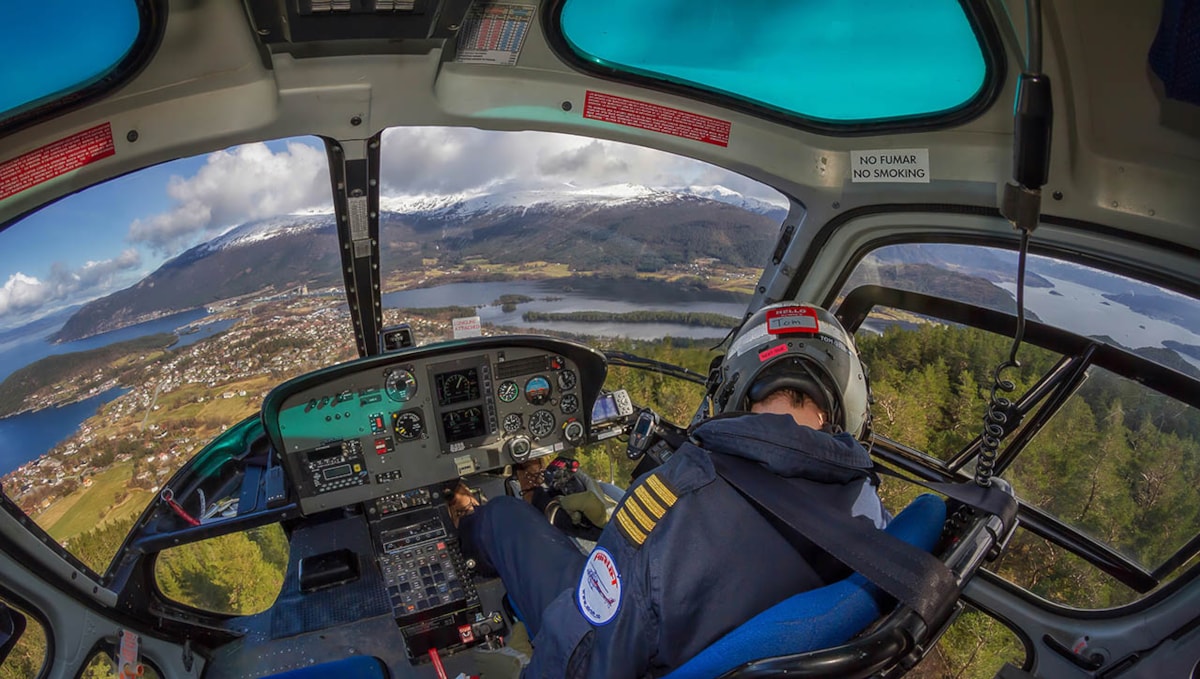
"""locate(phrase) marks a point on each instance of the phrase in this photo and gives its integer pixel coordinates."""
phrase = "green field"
(88, 508)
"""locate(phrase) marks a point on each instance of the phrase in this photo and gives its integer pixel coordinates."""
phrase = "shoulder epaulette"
(643, 507)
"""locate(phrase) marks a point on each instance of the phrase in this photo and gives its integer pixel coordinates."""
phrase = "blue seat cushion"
(357, 667)
(819, 618)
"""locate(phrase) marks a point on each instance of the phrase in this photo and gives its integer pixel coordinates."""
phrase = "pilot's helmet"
(801, 347)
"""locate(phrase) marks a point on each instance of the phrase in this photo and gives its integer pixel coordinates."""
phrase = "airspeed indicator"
(508, 391)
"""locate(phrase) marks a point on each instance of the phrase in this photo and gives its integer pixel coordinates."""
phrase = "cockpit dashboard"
(377, 429)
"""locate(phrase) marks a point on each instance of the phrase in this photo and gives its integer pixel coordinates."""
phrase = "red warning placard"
(646, 116)
(54, 159)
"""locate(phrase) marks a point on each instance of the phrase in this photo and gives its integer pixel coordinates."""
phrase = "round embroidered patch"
(599, 592)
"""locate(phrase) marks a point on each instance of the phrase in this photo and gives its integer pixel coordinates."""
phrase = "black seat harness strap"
(909, 574)
(991, 499)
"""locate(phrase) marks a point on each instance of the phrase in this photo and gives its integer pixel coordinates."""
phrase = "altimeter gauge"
(512, 423)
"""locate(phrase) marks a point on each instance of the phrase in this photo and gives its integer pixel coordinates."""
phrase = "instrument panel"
(384, 425)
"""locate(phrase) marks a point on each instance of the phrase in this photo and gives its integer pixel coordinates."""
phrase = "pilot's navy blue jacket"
(685, 558)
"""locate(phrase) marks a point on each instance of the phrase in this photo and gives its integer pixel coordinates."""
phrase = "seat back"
(819, 618)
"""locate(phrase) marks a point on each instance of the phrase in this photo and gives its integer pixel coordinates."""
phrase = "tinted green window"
(49, 49)
(844, 61)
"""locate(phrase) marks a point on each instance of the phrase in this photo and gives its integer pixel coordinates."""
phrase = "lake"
(585, 295)
(28, 435)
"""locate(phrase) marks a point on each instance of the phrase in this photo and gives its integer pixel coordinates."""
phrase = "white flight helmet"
(801, 347)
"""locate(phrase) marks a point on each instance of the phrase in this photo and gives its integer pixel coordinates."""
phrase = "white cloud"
(22, 293)
(419, 160)
(27, 295)
(234, 186)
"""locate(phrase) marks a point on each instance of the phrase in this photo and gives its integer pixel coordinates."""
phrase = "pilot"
(685, 558)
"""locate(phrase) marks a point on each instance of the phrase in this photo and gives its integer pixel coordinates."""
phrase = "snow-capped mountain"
(619, 229)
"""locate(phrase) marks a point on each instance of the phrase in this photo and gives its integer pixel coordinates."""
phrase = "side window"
(28, 656)
(1109, 447)
(235, 574)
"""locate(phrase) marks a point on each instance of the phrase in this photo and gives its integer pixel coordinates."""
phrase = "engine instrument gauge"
(567, 380)
(541, 423)
(569, 403)
(512, 422)
(537, 390)
(508, 391)
(408, 425)
(399, 384)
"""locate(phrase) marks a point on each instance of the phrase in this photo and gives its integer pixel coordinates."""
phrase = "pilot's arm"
(606, 625)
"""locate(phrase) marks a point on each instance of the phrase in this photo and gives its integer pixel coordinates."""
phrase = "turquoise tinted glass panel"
(832, 60)
(50, 48)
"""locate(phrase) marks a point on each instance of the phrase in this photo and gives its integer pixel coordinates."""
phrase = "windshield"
(209, 280)
(554, 233)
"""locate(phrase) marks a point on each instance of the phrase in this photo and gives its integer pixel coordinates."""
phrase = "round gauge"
(541, 423)
(567, 380)
(399, 384)
(512, 422)
(569, 403)
(508, 391)
(537, 390)
(408, 425)
(456, 384)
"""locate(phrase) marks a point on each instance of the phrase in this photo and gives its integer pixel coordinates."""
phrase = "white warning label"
(467, 327)
(909, 166)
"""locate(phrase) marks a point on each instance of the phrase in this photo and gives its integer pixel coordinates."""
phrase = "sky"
(111, 235)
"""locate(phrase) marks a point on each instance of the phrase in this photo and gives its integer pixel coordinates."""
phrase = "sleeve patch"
(599, 593)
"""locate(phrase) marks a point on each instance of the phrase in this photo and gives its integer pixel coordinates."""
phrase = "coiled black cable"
(995, 418)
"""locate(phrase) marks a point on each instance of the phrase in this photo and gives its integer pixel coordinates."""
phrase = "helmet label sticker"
(772, 352)
(599, 593)
(792, 319)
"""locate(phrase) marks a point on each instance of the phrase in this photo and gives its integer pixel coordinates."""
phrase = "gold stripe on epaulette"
(635, 509)
(648, 501)
(660, 489)
(642, 510)
(629, 529)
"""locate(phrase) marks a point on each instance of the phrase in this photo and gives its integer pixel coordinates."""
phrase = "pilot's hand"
(591, 504)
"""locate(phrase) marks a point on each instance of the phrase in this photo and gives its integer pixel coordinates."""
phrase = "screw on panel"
(837, 205)
(567, 106)
(1057, 195)
(131, 136)
(356, 121)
